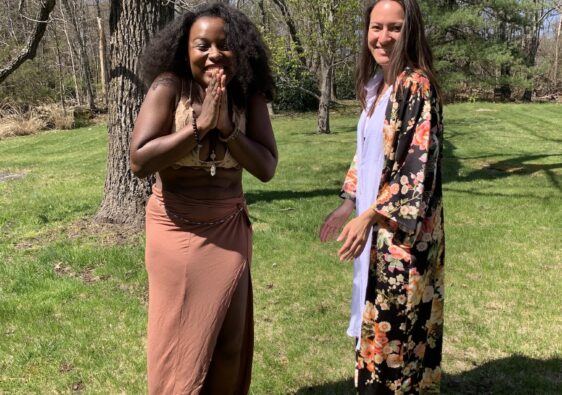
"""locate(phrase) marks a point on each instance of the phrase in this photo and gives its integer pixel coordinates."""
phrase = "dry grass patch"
(56, 117)
(15, 121)
(18, 123)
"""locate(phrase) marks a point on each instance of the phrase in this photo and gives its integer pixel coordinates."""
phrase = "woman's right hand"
(210, 109)
(337, 218)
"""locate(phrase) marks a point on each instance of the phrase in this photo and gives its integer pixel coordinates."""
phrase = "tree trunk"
(503, 92)
(124, 194)
(61, 75)
(533, 41)
(325, 94)
(102, 53)
(72, 63)
(557, 49)
(82, 54)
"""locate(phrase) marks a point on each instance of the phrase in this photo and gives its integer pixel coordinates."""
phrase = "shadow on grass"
(513, 166)
(514, 375)
(268, 196)
(337, 388)
(518, 166)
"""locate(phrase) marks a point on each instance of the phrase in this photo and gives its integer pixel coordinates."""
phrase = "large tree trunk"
(132, 23)
(325, 94)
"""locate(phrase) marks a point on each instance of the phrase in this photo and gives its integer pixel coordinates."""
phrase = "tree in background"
(487, 49)
(75, 14)
(30, 49)
(318, 35)
(124, 194)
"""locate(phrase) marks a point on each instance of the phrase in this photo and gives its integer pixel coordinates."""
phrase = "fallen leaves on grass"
(87, 275)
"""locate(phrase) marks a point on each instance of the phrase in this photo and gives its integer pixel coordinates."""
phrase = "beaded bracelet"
(231, 137)
(195, 129)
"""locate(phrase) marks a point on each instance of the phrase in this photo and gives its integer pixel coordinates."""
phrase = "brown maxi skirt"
(196, 253)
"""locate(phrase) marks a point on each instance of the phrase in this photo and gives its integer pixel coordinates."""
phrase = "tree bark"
(29, 51)
(132, 23)
(325, 94)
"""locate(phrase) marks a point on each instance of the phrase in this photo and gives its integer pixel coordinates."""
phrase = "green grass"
(73, 295)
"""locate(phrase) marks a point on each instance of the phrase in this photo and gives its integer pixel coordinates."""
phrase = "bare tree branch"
(282, 5)
(29, 51)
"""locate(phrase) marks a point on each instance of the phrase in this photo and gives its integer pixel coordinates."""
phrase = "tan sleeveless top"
(184, 115)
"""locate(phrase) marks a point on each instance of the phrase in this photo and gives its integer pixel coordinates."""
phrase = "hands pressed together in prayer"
(214, 110)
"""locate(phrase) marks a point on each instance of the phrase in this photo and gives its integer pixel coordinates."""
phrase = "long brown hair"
(411, 50)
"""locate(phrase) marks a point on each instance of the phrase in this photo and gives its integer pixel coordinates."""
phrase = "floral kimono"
(402, 329)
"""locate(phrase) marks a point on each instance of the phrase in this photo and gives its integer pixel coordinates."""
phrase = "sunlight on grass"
(73, 296)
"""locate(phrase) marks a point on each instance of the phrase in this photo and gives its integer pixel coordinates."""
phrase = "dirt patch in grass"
(105, 234)
(88, 231)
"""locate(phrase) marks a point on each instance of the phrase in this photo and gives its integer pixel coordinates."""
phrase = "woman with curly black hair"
(203, 120)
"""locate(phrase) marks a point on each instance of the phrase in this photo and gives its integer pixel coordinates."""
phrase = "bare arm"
(153, 146)
(256, 151)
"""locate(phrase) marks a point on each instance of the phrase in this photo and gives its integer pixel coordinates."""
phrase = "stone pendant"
(213, 169)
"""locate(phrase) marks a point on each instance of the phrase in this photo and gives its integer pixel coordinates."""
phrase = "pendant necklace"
(212, 155)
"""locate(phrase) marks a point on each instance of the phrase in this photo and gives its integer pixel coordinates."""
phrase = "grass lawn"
(73, 294)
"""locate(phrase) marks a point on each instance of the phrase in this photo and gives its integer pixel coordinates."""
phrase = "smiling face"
(385, 28)
(207, 50)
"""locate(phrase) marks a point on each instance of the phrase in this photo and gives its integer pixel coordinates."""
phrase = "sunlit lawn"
(73, 294)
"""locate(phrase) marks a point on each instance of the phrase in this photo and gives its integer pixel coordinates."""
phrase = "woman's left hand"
(355, 235)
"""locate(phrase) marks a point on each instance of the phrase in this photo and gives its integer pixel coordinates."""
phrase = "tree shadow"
(518, 166)
(451, 165)
(513, 375)
(269, 196)
(517, 374)
(336, 388)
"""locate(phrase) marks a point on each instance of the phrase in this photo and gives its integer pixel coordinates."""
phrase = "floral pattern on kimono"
(402, 329)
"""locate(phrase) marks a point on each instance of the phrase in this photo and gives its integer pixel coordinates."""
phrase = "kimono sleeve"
(404, 196)
(349, 187)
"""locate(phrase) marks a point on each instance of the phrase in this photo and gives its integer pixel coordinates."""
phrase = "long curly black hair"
(167, 52)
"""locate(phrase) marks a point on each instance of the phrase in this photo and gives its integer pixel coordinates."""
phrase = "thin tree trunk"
(325, 93)
(59, 61)
(557, 49)
(124, 194)
(83, 55)
(533, 40)
(102, 55)
(503, 92)
(72, 63)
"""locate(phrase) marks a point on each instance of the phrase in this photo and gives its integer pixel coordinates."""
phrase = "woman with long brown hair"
(394, 184)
